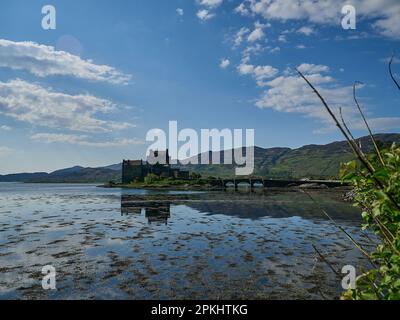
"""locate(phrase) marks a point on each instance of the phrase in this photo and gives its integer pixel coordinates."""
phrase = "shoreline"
(343, 188)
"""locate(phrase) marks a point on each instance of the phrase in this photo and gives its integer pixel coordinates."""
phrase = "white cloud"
(264, 72)
(308, 68)
(224, 63)
(289, 93)
(259, 73)
(274, 50)
(82, 140)
(301, 46)
(306, 30)
(5, 128)
(43, 61)
(238, 39)
(245, 69)
(255, 35)
(210, 3)
(241, 9)
(258, 33)
(282, 38)
(384, 15)
(255, 49)
(205, 14)
(180, 11)
(39, 106)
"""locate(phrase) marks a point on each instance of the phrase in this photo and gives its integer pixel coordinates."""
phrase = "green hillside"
(311, 161)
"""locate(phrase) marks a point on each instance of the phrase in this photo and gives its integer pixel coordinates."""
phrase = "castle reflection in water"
(155, 211)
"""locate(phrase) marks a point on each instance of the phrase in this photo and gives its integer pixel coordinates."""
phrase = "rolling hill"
(310, 161)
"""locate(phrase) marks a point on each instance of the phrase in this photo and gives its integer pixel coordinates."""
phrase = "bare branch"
(326, 261)
(345, 125)
(355, 148)
(356, 244)
(391, 72)
(366, 124)
(353, 145)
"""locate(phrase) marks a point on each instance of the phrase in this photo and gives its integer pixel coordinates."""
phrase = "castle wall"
(132, 172)
(137, 169)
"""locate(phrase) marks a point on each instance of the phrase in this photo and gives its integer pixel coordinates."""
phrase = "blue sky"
(87, 92)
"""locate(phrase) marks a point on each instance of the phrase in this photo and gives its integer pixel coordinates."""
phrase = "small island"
(152, 181)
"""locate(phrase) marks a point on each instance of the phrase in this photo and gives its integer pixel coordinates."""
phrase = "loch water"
(142, 244)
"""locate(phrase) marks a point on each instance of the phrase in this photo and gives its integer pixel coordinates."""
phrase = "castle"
(158, 163)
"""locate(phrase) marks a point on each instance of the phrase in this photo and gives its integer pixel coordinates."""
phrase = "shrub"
(151, 178)
(195, 176)
(381, 214)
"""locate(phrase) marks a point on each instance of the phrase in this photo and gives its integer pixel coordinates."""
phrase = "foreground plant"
(376, 182)
(382, 216)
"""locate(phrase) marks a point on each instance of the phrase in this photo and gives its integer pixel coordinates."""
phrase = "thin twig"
(378, 152)
(327, 262)
(385, 231)
(358, 246)
(391, 72)
(345, 125)
(347, 128)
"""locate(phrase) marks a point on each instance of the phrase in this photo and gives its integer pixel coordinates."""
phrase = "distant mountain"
(116, 167)
(311, 161)
(68, 171)
(70, 175)
(23, 177)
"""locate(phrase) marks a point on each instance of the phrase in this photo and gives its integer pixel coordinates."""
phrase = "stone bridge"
(274, 183)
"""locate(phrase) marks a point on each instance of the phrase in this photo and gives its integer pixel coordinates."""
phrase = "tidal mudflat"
(137, 244)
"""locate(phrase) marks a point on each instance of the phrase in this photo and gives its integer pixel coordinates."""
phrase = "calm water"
(137, 244)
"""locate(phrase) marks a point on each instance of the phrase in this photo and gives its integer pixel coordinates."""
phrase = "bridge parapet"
(273, 183)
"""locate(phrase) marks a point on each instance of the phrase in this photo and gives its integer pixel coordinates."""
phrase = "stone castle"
(158, 163)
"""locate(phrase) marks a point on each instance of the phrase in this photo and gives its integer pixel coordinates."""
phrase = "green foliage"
(137, 180)
(195, 176)
(378, 195)
(151, 178)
